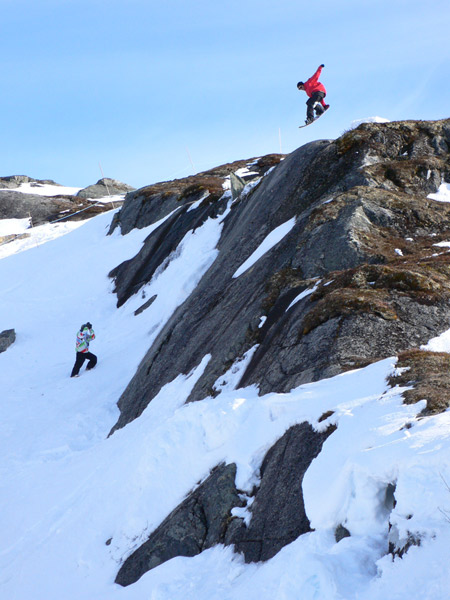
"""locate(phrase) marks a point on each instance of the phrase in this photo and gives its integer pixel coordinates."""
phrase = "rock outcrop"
(358, 276)
(45, 209)
(204, 519)
(105, 187)
(363, 244)
(7, 338)
(198, 523)
(278, 514)
(41, 209)
(14, 181)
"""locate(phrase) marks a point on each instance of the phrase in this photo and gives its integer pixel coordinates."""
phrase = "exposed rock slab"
(204, 518)
(196, 524)
(358, 201)
(278, 511)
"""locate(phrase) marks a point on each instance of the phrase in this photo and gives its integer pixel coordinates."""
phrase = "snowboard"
(315, 119)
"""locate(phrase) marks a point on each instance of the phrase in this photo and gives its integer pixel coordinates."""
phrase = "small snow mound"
(443, 193)
(358, 122)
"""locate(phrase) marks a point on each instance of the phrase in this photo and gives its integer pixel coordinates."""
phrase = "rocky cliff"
(356, 275)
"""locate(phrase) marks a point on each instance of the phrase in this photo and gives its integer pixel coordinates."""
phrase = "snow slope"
(44, 189)
(74, 503)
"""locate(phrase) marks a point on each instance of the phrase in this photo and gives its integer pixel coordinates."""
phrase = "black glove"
(322, 66)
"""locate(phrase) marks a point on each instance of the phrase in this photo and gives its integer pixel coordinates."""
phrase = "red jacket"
(313, 84)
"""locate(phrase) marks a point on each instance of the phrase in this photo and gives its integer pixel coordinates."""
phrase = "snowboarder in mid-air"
(316, 92)
(84, 337)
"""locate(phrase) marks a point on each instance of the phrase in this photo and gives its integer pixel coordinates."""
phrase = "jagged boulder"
(15, 205)
(196, 524)
(105, 187)
(204, 518)
(358, 277)
(7, 338)
(278, 514)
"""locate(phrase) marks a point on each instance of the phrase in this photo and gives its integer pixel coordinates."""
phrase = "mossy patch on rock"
(374, 288)
(348, 301)
(429, 375)
(397, 138)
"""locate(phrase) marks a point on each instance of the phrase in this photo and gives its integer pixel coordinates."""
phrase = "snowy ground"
(44, 189)
(34, 236)
(74, 503)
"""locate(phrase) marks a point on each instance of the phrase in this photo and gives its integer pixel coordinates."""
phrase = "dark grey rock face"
(195, 525)
(15, 205)
(358, 201)
(130, 276)
(204, 519)
(278, 511)
(105, 187)
(148, 205)
(341, 342)
(7, 338)
(218, 295)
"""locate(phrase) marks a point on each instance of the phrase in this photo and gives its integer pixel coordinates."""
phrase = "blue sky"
(158, 90)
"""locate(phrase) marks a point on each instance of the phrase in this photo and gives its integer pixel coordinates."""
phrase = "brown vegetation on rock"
(428, 374)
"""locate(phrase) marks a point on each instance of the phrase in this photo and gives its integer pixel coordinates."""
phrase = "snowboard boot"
(319, 110)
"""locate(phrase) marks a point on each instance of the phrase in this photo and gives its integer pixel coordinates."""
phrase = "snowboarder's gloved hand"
(322, 66)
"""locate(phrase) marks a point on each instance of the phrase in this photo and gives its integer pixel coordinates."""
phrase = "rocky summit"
(328, 260)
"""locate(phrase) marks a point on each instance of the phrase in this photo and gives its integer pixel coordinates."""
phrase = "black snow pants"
(314, 103)
(81, 357)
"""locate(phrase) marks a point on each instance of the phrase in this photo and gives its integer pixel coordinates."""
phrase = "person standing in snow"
(316, 92)
(84, 337)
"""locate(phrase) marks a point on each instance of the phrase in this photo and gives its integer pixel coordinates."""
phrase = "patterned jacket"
(84, 336)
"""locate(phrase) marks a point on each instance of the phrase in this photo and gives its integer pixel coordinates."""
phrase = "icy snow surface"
(358, 122)
(75, 503)
(271, 240)
(443, 193)
(35, 236)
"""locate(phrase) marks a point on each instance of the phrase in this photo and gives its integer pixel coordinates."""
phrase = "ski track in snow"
(67, 489)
